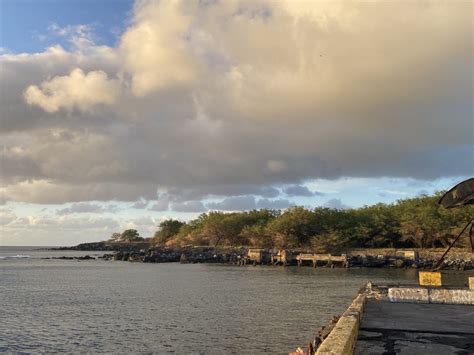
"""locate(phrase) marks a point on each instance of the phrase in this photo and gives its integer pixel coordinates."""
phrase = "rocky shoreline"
(86, 257)
(371, 258)
(108, 246)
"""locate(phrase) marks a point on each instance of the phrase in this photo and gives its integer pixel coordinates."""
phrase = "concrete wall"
(455, 253)
(431, 295)
(342, 339)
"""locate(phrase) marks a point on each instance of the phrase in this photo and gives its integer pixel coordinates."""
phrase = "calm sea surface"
(121, 307)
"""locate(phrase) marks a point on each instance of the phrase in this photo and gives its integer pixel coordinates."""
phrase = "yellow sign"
(427, 278)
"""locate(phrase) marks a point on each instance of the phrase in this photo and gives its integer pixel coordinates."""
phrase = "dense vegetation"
(416, 222)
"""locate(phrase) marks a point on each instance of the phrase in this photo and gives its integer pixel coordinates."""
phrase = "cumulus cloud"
(64, 222)
(184, 194)
(155, 47)
(183, 105)
(63, 230)
(53, 192)
(77, 90)
(140, 204)
(7, 216)
(160, 205)
(245, 203)
(68, 228)
(85, 207)
(299, 190)
(335, 203)
(274, 204)
(188, 206)
(77, 34)
(234, 203)
(146, 226)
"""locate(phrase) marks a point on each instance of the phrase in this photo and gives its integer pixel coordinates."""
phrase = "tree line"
(416, 222)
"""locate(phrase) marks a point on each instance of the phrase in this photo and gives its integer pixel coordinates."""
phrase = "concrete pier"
(322, 259)
(415, 328)
(404, 320)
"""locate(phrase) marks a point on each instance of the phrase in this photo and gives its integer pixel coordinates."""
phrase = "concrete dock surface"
(402, 319)
(415, 328)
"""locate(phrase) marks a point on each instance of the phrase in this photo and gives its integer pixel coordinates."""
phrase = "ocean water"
(121, 307)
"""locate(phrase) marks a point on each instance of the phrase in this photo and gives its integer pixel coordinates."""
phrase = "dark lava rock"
(87, 257)
(183, 259)
(399, 263)
(109, 246)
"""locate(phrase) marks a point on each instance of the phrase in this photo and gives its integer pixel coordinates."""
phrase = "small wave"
(15, 257)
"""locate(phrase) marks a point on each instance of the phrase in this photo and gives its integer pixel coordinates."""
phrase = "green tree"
(418, 221)
(222, 228)
(167, 229)
(256, 235)
(131, 235)
(115, 237)
(294, 227)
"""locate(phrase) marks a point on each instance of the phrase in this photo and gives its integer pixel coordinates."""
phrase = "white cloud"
(155, 49)
(188, 206)
(234, 203)
(299, 190)
(76, 90)
(145, 225)
(393, 192)
(160, 205)
(140, 204)
(50, 192)
(335, 203)
(7, 216)
(274, 204)
(42, 222)
(85, 207)
(82, 30)
(43, 230)
(246, 203)
(185, 106)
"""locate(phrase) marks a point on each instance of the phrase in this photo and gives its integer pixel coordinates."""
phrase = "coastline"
(459, 259)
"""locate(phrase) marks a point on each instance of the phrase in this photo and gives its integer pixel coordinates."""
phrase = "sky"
(118, 114)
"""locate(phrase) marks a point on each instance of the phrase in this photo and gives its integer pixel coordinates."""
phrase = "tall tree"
(131, 235)
(167, 229)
